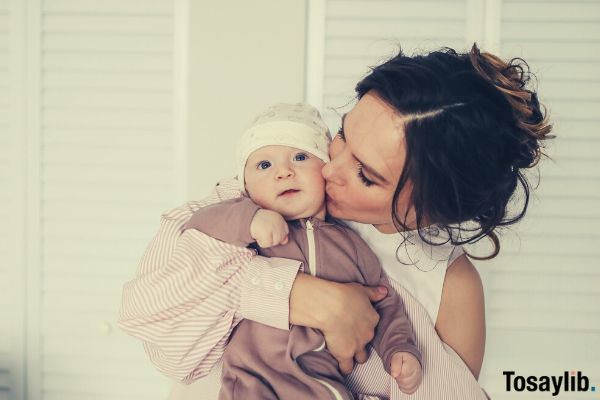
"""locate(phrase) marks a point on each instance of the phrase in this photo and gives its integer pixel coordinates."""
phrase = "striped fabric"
(445, 375)
(191, 291)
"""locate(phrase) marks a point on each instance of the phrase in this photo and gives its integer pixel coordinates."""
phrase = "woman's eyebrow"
(365, 166)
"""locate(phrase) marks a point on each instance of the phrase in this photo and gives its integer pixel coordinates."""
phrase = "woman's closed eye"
(366, 181)
(362, 176)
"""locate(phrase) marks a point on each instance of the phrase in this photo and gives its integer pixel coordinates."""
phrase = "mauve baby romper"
(262, 362)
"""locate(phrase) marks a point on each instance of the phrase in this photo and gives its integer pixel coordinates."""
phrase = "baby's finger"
(396, 368)
(408, 390)
(273, 239)
(285, 239)
(278, 236)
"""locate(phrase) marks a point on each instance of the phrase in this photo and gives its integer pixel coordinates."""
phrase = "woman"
(427, 160)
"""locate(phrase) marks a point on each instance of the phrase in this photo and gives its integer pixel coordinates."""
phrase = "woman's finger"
(361, 356)
(346, 365)
(376, 293)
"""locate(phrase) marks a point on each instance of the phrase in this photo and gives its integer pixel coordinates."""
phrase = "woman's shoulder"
(461, 317)
(463, 273)
(463, 289)
(225, 189)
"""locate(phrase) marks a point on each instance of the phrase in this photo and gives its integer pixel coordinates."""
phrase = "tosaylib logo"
(573, 382)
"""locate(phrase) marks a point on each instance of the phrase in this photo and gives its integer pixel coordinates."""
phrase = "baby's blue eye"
(300, 157)
(264, 165)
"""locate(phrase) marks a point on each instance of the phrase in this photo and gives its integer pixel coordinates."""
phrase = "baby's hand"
(406, 369)
(269, 228)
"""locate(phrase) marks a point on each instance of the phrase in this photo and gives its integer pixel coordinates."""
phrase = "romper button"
(255, 281)
(278, 285)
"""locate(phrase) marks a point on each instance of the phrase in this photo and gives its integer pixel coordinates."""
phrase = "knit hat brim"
(294, 125)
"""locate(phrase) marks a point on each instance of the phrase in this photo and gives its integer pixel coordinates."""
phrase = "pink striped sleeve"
(191, 290)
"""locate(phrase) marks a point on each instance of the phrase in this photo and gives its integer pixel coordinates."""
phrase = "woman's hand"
(342, 311)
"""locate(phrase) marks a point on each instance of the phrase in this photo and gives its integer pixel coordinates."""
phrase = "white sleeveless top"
(422, 267)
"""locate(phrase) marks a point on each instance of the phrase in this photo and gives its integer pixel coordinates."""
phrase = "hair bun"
(511, 79)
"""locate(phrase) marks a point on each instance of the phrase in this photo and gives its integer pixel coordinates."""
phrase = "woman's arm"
(461, 317)
(191, 290)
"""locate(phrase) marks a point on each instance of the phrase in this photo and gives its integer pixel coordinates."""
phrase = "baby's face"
(286, 180)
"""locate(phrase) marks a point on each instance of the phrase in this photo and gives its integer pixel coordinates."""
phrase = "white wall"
(243, 56)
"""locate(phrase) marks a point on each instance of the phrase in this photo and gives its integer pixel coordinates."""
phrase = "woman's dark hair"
(471, 128)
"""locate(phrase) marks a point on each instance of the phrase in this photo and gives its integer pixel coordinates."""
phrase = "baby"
(282, 213)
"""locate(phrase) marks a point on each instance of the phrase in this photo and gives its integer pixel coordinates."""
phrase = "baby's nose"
(285, 172)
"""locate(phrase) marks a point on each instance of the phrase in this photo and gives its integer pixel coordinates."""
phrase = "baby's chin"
(291, 215)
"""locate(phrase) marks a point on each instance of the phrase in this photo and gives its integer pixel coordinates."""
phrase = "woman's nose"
(330, 174)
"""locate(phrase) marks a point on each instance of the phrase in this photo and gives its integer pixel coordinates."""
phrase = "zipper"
(312, 266)
(312, 257)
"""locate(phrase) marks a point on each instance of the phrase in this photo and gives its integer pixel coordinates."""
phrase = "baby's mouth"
(288, 192)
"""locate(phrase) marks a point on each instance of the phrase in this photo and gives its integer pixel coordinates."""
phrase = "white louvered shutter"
(544, 294)
(7, 184)
(359, 34)
(11, 198)
(543, 291)
(106, 173)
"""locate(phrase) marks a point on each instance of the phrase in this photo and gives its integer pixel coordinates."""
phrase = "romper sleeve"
(228, 221)
(394, 331)
(191, 290)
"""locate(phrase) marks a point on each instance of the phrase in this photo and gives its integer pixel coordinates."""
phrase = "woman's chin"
(333, 211)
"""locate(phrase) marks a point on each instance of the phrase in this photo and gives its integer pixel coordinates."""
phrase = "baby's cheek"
(257, 193)
(318, 182)
(263, 202)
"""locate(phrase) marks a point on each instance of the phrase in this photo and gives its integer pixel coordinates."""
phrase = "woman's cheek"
(371, 203)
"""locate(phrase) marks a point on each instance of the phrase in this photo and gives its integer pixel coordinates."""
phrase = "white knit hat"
(296, 125)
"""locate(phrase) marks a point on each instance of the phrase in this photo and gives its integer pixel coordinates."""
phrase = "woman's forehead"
(373, 110)
(374, 131)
